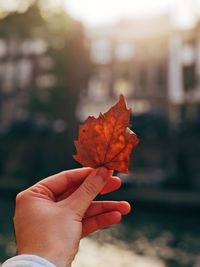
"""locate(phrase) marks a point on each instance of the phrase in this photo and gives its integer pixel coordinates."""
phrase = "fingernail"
(103, 173)
(111, 172)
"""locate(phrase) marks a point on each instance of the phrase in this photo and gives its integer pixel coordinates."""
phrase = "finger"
(81, 199)
(113, 184)
(98, 222)
(58, 183)
(99, 207)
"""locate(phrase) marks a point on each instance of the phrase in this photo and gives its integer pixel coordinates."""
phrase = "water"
(7, 244)
(157, 237)
(149, 237)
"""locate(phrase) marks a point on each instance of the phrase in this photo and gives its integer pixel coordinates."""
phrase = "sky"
(101, 12)
(94, 12)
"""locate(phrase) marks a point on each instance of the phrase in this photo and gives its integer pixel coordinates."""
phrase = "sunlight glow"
(104, 11)
(93, 12)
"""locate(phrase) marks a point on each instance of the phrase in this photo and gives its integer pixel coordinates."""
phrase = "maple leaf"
(107, 140)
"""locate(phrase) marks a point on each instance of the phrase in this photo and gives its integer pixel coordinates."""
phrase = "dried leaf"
(107, 141)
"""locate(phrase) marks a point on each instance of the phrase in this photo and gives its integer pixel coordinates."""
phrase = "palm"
(58, 211)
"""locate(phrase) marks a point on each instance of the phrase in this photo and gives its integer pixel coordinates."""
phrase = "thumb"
(81, 199)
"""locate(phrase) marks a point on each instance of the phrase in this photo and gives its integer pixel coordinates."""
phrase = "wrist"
(52, 256)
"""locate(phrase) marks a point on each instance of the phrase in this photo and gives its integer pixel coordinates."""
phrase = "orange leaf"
(107, 141)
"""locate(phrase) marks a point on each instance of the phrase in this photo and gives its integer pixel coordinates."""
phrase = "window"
(9, 77)
(124, 51)
(161, 76)
(3, 48)
(188, 55)
(143, 80)
(189, 77)
(98, 88)
(24, 69)
(101, 51)
(45, 80)
(34, 47)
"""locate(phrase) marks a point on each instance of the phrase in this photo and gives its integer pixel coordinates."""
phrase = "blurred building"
(131, 58)
(184, 74)
(24, 63)
(154, 65)
(36, 74)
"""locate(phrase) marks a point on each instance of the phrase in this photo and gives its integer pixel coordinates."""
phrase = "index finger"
(113, 184)
(58, 183)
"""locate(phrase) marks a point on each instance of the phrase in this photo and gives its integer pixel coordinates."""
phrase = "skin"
(53, 215)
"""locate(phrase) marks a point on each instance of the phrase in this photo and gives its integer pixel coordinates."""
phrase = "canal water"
(149, 237)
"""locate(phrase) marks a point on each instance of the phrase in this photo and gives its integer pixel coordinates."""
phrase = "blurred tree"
(66, 47)
(23, 25)
(65, 39)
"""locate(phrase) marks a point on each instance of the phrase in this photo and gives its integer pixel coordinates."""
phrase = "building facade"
(154, 65)
(24, 65)
(184, 74)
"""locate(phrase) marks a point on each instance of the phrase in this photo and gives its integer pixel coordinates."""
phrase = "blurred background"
(61, 61)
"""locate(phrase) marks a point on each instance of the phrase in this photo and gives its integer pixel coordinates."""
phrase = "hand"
(53, 215)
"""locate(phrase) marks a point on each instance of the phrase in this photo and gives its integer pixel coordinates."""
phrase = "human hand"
(53, 215)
